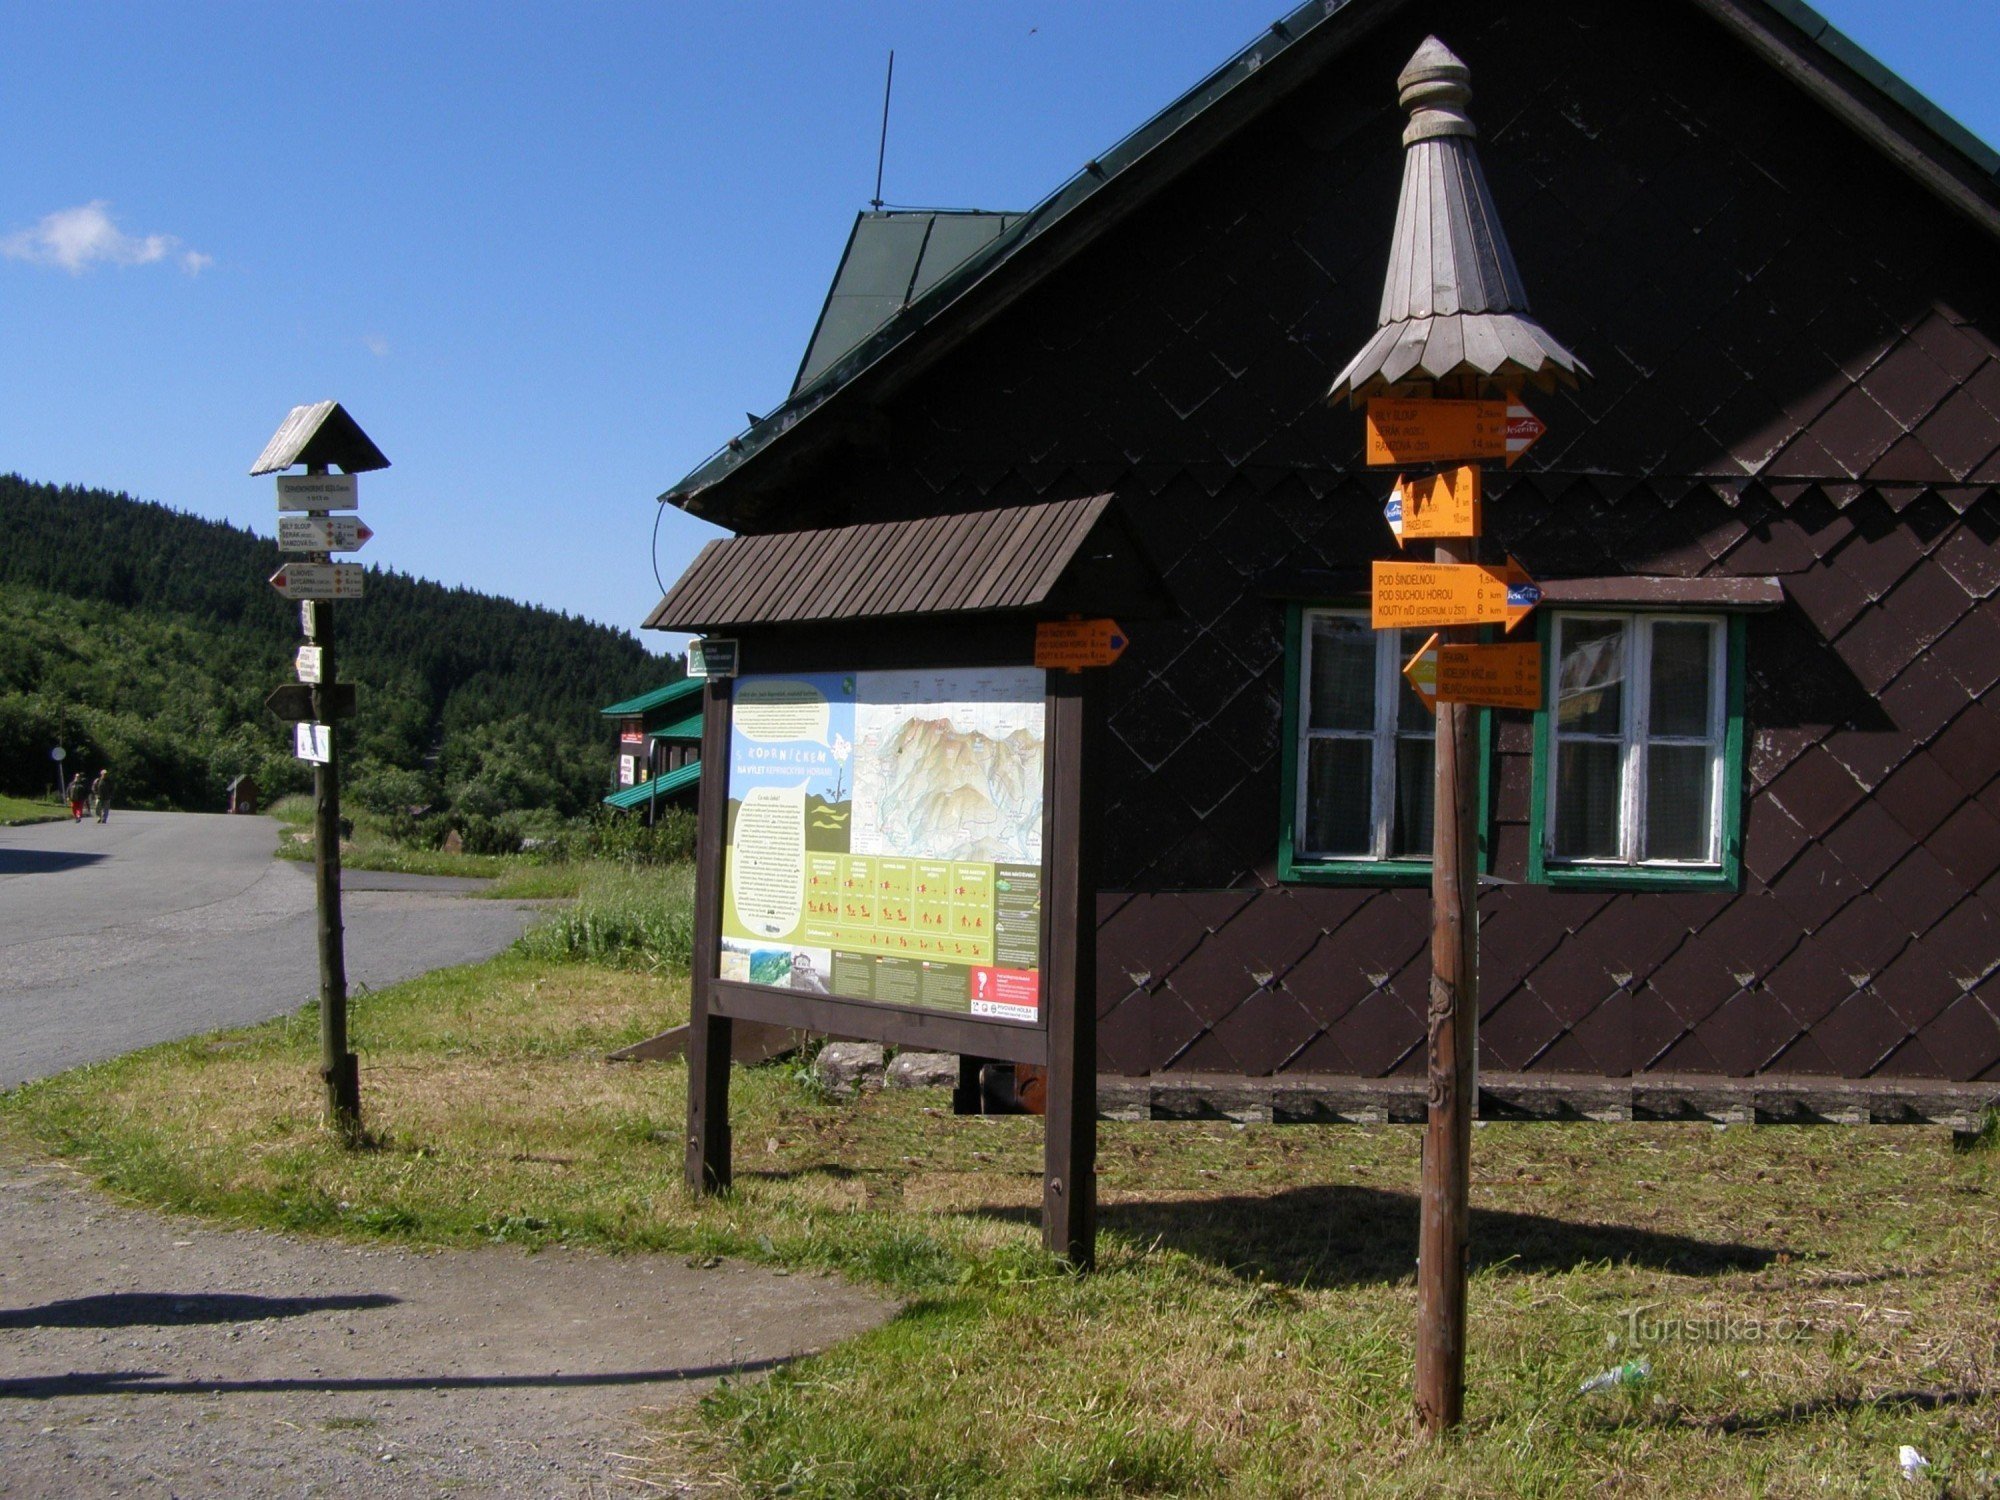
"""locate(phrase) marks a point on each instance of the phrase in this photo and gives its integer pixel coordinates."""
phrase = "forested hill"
(150, 637)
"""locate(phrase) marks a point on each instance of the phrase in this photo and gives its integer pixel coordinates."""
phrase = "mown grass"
(518, 877)
(18, 810)
(1809, 1299)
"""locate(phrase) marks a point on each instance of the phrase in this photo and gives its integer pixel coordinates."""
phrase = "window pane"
(1586, 800)
(1681, 660)
(1416, 795)
(1338, 787)
(1677, 801)
(1590, 687)
(1343, 674)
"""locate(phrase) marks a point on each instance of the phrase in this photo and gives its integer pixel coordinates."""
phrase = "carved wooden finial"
(1435, 87)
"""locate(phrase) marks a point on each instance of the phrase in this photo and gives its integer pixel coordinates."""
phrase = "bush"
(625, 837)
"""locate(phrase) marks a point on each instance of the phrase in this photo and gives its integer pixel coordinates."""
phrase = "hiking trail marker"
(318, 492)
(1073, 645)
(1435, 505)
(1449, 432)
(320, 580)
(1507, 675)
(1407, 595)
(322, 533)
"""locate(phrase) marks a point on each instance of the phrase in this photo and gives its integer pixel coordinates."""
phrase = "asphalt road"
(155, 926)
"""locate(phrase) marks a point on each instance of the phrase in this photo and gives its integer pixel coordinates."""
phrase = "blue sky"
(547, 255)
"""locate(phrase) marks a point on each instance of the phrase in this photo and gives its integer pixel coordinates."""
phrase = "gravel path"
(146, 1355)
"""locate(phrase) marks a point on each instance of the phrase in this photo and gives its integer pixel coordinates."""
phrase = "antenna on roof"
(882, 150)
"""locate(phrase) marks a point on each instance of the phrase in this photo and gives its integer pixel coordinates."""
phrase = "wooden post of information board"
(709, 1034)
(1069, 906)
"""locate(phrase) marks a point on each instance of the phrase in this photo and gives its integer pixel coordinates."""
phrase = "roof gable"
(1797, 41)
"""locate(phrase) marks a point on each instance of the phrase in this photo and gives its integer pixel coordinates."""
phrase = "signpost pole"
(339, 1067)
(1442, 1236)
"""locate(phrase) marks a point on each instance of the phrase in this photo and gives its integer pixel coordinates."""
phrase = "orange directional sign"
(1499, 676)
(1444, 504)
(1431, 432)
(1427, 595)
(1076, 644)
(1421, 672)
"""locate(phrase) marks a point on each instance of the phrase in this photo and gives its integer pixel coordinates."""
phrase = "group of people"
(94, 798)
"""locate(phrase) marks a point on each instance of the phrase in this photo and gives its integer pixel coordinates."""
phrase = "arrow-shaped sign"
(1430, 595)
(1443, 432)
(1444, 504)
(294, 701)
(322, 533)
(309, 580)
(1421, 672)
(1076, 644)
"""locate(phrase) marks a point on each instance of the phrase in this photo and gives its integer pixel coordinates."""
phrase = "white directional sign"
(313, 742)
(305, 580)
(307, 662)
(318, 491)
(322, 533)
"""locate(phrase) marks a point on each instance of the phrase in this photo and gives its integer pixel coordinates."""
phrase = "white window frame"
(1384, 735)
(1635, 740)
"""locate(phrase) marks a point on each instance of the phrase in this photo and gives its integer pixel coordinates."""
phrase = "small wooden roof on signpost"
(1452, 303)
(322, 433)
(1063, 555)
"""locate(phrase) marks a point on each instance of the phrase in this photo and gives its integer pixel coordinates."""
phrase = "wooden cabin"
(657, 758)
(1758, 834)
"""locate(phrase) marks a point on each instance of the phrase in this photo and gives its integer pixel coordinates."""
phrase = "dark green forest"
(146, 639)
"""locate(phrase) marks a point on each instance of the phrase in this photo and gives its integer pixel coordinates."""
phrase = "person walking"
(76, 797)
(100, 795)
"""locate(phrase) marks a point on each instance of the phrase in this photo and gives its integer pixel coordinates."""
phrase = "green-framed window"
(1638, 751)
(1359, 753)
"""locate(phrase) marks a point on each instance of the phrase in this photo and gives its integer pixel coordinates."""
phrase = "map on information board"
(885, 838)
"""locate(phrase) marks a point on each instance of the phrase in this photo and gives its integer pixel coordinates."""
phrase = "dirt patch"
(145, 1354)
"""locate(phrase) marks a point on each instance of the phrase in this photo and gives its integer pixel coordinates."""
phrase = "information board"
(884, 840)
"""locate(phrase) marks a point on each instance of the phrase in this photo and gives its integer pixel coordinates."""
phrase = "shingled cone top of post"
(1453, 308)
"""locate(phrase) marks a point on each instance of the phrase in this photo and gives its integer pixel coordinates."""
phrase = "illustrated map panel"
(885, 838)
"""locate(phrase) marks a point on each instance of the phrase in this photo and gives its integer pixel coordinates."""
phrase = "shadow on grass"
(179, 1309)
(1346, 1236)
(1806, 1411)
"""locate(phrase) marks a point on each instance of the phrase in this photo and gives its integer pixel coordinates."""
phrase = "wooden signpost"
(1452, 673)
(321, 437)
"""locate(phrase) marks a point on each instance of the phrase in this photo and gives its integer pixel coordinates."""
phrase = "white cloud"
(376, 345)
(75, 239)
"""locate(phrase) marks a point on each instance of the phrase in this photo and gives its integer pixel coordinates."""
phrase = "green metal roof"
(658, 698)
(893, 257)
(1315, 20)
(681, 729)
(660, 786)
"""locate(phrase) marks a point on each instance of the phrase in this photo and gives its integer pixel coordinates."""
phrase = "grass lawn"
(14, 810)
(1809, 1299)
(519, 878)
